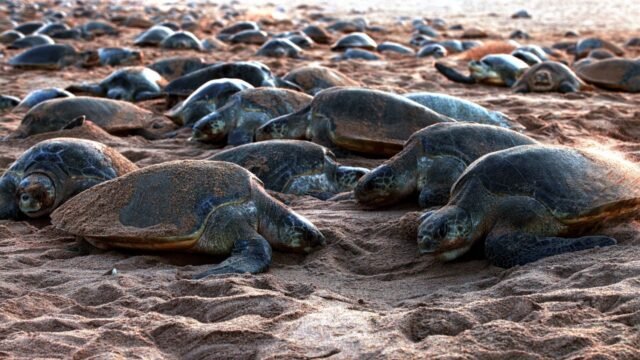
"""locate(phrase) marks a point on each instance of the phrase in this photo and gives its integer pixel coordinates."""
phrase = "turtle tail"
(454, 75)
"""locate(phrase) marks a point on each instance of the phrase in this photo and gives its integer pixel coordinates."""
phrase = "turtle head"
(8, 206)
(297, 234)
(118, 93)
(90, 58)
(445, 233)
(389, 182)
(290, 126)
(481, 70)
(213, 127)
(347, 177)
(543, 80)
(36, 195)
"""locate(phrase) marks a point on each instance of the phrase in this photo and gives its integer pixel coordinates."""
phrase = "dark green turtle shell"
(52, 56)
(579, 188)
(278, 162)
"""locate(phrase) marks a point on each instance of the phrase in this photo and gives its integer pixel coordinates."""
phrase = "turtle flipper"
(521, 248)
(147, 95)
(93, 89)
(454, 75)
(251, 255)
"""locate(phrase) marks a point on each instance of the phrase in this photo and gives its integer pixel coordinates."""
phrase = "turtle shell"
(225, 33)
(51, 29)
(251, 36)
(168, 203)
(119, 56)
(584, 46)
(280, 48)
(453, 139)
(9, 36)
(112, 115)
(181, 40)
(313, 79)
(393, 47)
(277, 162)
(139, 78)
(37, 96)
(53, 56)
(614, 73)
(98, 28)
(255, 73)
(389, 121)
(153, 36)
(579, 188)
(317, 34)
(355, 40)
(29, 28)
(274, 100)
(175, 67)
(31, 41)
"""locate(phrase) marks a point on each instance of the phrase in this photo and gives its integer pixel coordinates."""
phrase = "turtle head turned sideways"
(290, 126)
(447, 233)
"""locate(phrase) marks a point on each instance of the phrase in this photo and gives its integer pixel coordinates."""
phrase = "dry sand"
(367, 294)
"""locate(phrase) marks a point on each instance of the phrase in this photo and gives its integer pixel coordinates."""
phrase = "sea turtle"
(313, 79)
(317, 34)
(526, 56)
(432, 50)
(452, 46)
(229, 31)
(207, 98)
(153, 36)
(294, 167)
(116, 117)
(495, 69)
(301, 39)
(584, 46)
(52, 57)
(29, 28)
(425, 29)
(98, 28)
(135, 83)
(37, 96)
(52, 171)
(362, 120)
(174, 67)
(245, 111)
(52, 28)
(132, 21)
(31, 41)
(532, 201)
(250, 36)
(549, 76)
(393, 47)
(356, 54)
(9, 36)
(633, 42)
(113, 56)
(460, 109)
(280, 48)
(8, 102)
(180, 40)
(614, 74)
(355, 40)
(431, 161)
(255, 73)
(210, 207)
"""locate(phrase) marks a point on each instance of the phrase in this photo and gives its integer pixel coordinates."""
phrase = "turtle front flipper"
(249, 255)
(454, 75)
(521, 248)
(147, 95)
(93, 89)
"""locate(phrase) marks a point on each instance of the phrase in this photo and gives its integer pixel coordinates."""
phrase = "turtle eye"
(25, 197)
(443, 230)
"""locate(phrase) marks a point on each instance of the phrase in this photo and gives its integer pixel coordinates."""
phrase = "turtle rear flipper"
(521, 248)
(252, 255)
(93, 89)
(454, 75)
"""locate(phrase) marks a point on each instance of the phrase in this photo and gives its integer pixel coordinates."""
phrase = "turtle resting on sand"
(52, 171)
(532, 201)
(8, 102)
(496, 69)
(613, 73)
(53, 57)
(37, 96)
(116, 117)
(294, 167)
(206, 99)
(245, 111)
(460, 109)
(200, 206)
(549, 76)
(362, 120)
(431, 161)
(313, 79)
(135, 83)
